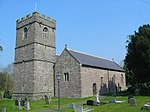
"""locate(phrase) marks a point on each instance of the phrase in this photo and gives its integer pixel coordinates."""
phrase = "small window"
(122, 78)
(118, 85)
(66, 76)
(101, 81)
(94, 89)
(113, 79)
(45, 32)
(25, 32)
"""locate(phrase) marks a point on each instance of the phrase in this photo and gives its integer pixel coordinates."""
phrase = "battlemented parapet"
(32, 14)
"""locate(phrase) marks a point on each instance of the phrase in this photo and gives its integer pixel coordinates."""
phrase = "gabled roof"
(93, 61)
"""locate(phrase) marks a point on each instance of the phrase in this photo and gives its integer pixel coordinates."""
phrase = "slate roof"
(94, 61)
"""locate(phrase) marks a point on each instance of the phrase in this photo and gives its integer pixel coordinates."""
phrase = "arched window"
(102, 81)
(94, 89)
(113, 78)
(122, 78)
(25, 32)
(66, 76)
(45, 32)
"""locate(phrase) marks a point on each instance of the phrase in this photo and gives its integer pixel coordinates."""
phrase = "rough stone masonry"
(34, 56)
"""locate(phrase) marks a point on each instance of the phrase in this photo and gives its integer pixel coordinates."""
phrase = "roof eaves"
(85, 65)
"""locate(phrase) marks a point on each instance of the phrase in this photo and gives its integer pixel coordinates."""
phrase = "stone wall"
(89, 76)
(103, 80)
(23, 79)
(43, 78)
(67, 64)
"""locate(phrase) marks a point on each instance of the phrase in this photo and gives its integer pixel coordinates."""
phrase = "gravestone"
(19, 105)
(27, 105)
(22, 102)
(132, 102)
(97, 98)
(3, 109)
(112, 100)
(78, 108)
(72, 105)
(90, 102)
(129, 97)
(26, 99)
(47, 99)
(147, 106)
(16, 102)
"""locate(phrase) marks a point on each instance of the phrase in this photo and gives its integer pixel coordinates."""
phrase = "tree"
(9, 68)
(6, 84)
(137, 60)
(5, 81)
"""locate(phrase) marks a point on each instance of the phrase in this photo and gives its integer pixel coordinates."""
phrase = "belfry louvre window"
(45, 32)
(66, 76)
(25, 30)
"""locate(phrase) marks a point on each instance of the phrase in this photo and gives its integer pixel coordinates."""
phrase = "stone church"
(36, 65)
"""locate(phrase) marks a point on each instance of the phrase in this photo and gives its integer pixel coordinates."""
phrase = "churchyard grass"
(36, 106)
(118, 107)
(122, 107)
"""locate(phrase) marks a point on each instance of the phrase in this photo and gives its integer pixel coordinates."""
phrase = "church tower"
(35, 55)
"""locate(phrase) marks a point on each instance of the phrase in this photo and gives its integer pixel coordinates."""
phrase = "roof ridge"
(95, 61)
(90, 55)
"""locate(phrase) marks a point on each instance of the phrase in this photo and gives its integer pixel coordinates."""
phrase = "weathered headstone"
(129, 97)
(3, 109)
(132, 102)
(47, 99)
(112, 100)
(16, 102)
(19, 105)
(90, 102)
(147, 106)
(97, 98)
(22, 102)
(72, 105)
(27, 105)
(78, 108)
(26, 99)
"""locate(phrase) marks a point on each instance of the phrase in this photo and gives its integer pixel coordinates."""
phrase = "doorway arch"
(94, 89)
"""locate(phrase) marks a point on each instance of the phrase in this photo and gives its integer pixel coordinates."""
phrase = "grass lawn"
(122, 107)
(36, 106)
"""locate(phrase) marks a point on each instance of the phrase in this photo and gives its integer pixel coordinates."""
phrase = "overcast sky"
(96, 27)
